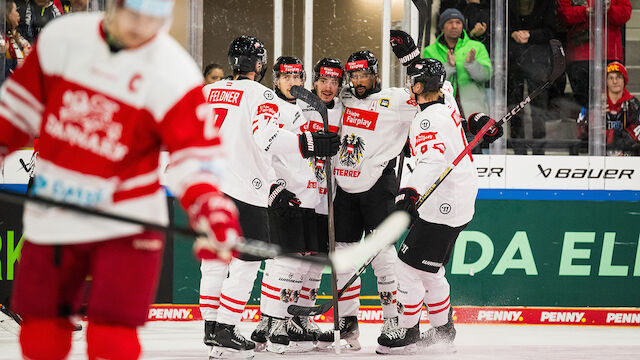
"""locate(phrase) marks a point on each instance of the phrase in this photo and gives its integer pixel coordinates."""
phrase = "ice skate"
(259, 335)
(303, 333)
(348, 332)
(228, 343)
(440, 336)
(398, 340)
(9, 320)
(278, 338)
(209, 329)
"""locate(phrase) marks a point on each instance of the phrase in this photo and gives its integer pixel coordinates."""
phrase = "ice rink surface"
(183, 340)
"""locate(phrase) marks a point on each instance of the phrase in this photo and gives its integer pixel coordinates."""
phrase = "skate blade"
(276, 348)
(217, 352)
(386, 350)
(300, 347)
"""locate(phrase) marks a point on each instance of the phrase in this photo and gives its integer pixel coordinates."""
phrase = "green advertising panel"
(516, 253)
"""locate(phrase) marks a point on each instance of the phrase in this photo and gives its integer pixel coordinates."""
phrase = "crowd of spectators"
(463, 44)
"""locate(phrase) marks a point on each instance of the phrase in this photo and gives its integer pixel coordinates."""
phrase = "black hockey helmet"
(329, 67)
(429, 72)
(247, 54)
(362, 60)
(288, 65)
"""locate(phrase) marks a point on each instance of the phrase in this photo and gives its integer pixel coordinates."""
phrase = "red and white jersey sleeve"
(102, 120)
(315, 123)
(437, 137)
(291, 169)
(373, 132)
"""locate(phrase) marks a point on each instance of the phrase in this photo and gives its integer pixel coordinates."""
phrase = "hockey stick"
(247, 246)
(558, 66)
(319, 105)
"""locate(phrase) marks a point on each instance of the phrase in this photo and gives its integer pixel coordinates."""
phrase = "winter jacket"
(574, 14)
(468, 79)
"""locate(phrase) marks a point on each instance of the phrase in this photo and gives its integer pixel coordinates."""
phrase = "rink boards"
(555, 240)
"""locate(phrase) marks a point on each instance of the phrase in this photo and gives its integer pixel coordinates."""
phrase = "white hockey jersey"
(294, 171)
(437, 138)
(247, 113)
(315, 123)
(102, 119)
(374, 130)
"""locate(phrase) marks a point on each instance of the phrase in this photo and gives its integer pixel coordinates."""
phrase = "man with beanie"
(623, 111)
(466, 62)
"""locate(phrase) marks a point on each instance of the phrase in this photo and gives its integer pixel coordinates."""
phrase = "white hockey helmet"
(157, 8)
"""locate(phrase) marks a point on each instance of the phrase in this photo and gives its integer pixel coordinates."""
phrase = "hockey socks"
(45, 338)
(105, 341)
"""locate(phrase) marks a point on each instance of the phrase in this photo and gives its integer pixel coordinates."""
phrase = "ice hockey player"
(249, 117)
(292, 222)
(375, 125)
(436, 138)
(105, 93)
(327, 82)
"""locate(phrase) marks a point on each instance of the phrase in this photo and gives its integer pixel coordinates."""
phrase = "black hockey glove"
(403, 47)
(283, 201)
(319, 143)
(406, 201)
(477, 121)
(623, 141)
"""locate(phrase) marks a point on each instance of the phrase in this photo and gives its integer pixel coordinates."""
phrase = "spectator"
(35, 14)
(213, 73)
(531, 25)
(575, 14)
(623, 111)
(16, 46)
(478, 15)
(466, 62)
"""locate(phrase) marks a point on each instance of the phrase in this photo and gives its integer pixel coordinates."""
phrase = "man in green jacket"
(466, 62)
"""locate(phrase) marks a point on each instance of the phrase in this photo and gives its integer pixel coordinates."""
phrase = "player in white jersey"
(250, 117)
(374, 129)
(437, 138)
(106, 93)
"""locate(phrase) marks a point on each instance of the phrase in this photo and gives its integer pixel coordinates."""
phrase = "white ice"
(183, 340)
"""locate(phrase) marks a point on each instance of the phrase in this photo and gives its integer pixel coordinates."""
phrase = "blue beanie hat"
(448, 14)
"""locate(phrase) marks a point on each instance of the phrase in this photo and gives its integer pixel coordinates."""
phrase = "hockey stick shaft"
(557, 70)
(248, 246)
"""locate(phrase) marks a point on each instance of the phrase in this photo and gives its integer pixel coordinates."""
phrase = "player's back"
(236, 103)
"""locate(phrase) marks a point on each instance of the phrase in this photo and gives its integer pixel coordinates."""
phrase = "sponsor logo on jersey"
(385, 102)
(267, 108)
(317, 126)
(424, 137)
(328, 71)
(225, 96)
(354, 65)
(268, 94)
(562, 316)
(445, 208)
(86, 121)
(425, 124)
(499, 315)
(346, 173)
(359, 118)
(351, 150)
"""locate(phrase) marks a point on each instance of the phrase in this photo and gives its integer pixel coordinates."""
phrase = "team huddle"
(245, 161)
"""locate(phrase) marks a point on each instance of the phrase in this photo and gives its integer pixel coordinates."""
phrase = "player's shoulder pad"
(66, 31)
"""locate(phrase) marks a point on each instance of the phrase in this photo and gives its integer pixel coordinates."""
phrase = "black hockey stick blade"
(558, 60)
(247, 246)
(310, 98)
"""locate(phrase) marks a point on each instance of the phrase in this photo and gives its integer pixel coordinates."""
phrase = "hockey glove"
(318, 143)
(215, 215)
(623, 141)
(403, 47)
(477, 121)
(406, 201)
(283, 201)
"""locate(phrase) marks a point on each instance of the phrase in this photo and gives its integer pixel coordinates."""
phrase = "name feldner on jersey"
(315, 123)
(248, 115)
(102, 119)
(292, 169)
(374, 130)
(437, 138)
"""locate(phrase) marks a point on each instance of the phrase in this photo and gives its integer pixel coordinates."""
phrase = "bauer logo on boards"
(225, 96)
